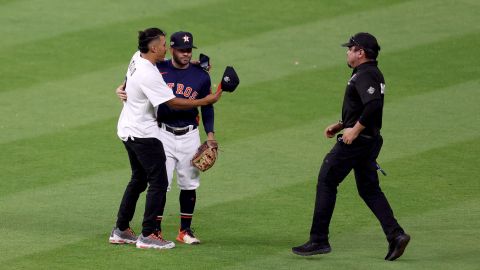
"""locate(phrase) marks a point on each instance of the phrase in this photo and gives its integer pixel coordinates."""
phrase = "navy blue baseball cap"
(364, 40)
(181, 40)
(230, 80)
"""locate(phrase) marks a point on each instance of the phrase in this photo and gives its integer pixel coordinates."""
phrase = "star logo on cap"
(186, 38)
(226, 79)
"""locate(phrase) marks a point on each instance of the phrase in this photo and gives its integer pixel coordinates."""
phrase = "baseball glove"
(206, 155)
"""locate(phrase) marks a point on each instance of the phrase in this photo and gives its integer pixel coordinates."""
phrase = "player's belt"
(178, 131)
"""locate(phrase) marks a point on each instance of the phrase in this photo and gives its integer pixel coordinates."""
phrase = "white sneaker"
(154, 241)
(186, 236)
(122, 237)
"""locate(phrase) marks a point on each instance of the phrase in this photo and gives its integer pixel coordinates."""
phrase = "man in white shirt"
(138, 129)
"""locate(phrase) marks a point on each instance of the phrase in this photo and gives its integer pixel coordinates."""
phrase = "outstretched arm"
(183, 104)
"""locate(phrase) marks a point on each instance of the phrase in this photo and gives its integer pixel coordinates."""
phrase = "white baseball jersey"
(145, 89)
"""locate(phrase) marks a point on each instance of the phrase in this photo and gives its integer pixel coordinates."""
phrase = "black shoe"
(397, 247)
(311, 248)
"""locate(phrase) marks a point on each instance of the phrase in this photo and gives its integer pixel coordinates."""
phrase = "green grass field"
(63, 170)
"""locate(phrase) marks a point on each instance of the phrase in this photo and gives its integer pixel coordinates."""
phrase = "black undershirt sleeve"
(208, 114)
(207, 118)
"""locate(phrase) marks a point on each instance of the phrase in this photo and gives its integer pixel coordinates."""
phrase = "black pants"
(361, 157)
(147, 159)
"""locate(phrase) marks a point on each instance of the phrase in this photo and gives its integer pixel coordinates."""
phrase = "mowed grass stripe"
(303, 97)
(314, 45)
(53, 158)
(105, 54)
(286, 211)
(426, 206)
(428, 67)
(237, 178)
(256, 242)
(262, 211)
(62, 157)
(249, 14)
(242, 183)
(109, 45)
(18, 118)
(60, 214)
(351, 251)
(291, 153)
(365, 248)
(56, 107)
(261, 106)
(248, 19)
(46, 19)
(60, 98)
(427, 121)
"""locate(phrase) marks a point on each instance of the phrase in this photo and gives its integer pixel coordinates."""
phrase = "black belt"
(367, 136)
(339, 137)
(178, 131)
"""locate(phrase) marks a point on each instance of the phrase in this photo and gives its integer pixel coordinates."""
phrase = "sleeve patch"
(371, 90)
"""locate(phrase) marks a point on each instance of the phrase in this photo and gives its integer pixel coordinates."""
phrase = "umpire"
(356, 149)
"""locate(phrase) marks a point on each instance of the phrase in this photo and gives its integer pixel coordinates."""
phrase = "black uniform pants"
(147, 160)
(361, 157)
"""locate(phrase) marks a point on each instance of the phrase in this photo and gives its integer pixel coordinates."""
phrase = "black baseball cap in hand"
(230, 80)
(181, 40)
(365, 41)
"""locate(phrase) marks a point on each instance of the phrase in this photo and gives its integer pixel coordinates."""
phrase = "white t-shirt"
(145, 89)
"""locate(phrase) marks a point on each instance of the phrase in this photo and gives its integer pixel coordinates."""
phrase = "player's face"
(182, 57)
(162, 48)
(159, 48)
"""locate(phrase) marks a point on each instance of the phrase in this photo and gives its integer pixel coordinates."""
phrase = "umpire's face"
(354, 56)
(181, 57)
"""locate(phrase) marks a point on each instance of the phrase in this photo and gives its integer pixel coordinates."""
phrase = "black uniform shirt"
(365, 89)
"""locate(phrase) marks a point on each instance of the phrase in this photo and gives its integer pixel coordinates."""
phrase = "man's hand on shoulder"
(121, 93)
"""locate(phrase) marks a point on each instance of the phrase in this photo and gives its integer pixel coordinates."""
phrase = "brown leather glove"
(206, 155)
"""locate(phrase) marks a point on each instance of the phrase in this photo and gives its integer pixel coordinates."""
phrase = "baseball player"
(138, 129)
(179, 128)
